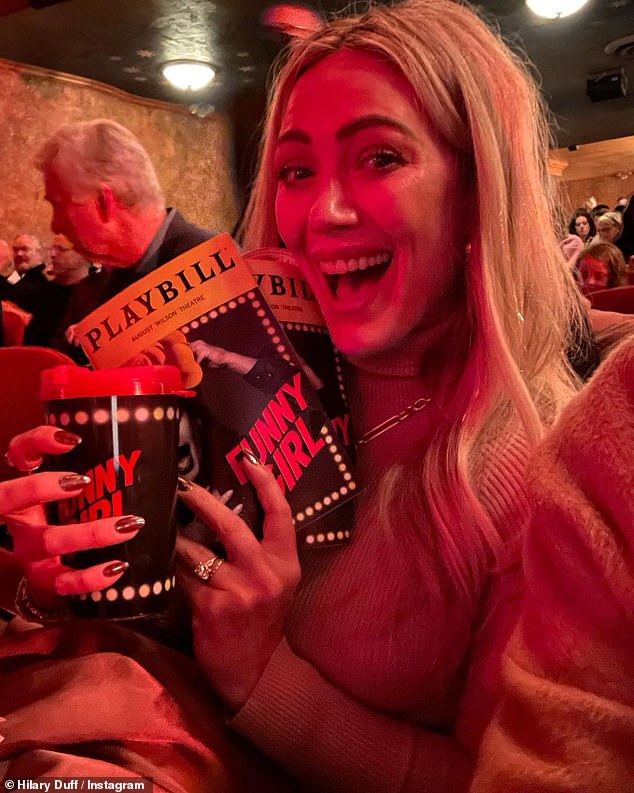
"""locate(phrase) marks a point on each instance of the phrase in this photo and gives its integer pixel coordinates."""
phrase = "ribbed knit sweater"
(350, 700)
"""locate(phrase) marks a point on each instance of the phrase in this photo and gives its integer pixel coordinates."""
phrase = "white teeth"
(341, 266)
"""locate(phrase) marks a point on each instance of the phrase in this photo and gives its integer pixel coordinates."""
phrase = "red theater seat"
(20, 408)
(620, 299)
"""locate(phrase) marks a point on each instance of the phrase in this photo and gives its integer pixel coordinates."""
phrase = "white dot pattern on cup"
(130, 593)
(103, 416)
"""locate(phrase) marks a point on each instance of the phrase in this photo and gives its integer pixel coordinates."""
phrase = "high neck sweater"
(351, 699)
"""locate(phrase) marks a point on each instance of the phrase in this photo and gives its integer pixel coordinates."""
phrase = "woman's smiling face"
(367, 201)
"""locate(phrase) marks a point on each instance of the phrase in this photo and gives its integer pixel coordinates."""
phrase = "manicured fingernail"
(73, 481)
(129, 523)
(114, 568)
(250, 456)
(184, 484)
(67, 438)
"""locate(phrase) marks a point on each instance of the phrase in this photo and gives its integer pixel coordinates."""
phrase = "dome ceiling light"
(555, 9)
(188, 75)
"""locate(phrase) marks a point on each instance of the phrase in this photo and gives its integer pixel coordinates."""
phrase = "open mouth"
(354, 278)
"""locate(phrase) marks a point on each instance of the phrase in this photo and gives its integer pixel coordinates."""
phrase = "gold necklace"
(388, 424)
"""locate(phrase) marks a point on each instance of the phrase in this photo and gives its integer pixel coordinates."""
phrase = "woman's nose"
(332, 207)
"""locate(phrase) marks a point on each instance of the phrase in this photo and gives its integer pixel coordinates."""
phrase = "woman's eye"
(382, 160)
(293, 173)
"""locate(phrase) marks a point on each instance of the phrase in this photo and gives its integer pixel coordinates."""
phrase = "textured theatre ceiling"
(123, 42)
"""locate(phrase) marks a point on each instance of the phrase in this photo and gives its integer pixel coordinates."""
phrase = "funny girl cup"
(128, 421)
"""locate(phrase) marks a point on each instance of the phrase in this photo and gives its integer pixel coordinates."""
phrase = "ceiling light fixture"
(555, 9)
(188, 75)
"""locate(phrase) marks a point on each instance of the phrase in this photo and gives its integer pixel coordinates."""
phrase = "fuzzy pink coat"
(566, 723)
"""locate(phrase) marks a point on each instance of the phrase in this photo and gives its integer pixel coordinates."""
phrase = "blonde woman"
(609, 227)
(376, 666)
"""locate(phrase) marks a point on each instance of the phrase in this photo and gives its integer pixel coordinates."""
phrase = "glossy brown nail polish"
(129, 523)
(184, 485)
(114, 568)
(67, 438)
(251, 457)
(73, 481)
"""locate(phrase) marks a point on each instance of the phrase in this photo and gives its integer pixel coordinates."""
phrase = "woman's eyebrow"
(348, 130)
(293, 135)
(372, 121)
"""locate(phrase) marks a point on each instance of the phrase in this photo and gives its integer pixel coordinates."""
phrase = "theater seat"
(14, 322)
(20, 408)
(620, 299)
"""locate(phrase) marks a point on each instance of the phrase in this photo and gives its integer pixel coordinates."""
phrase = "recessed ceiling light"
(554, 9)
(188, 75)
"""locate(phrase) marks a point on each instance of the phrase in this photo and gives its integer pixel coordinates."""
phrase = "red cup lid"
(70, 382)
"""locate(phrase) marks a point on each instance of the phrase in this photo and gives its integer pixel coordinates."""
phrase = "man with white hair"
(107, 201)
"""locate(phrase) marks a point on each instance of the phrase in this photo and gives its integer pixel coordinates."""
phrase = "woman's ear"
(106, 203)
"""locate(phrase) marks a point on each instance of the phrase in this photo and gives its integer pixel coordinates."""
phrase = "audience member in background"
(600, 266)
(107, 201)
(621, 203)
(598, 210)
(28, 254)
(571, 246)
(609, 227)
(626, 241)
(29, 263)
(8, 273)
(35, 292)
(67, 266)
(582, 224)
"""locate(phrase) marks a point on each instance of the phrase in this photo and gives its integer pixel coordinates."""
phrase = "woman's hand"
(238, 614)
(38, 546)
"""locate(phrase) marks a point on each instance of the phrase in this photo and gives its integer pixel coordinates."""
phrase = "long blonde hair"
(521, 301)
